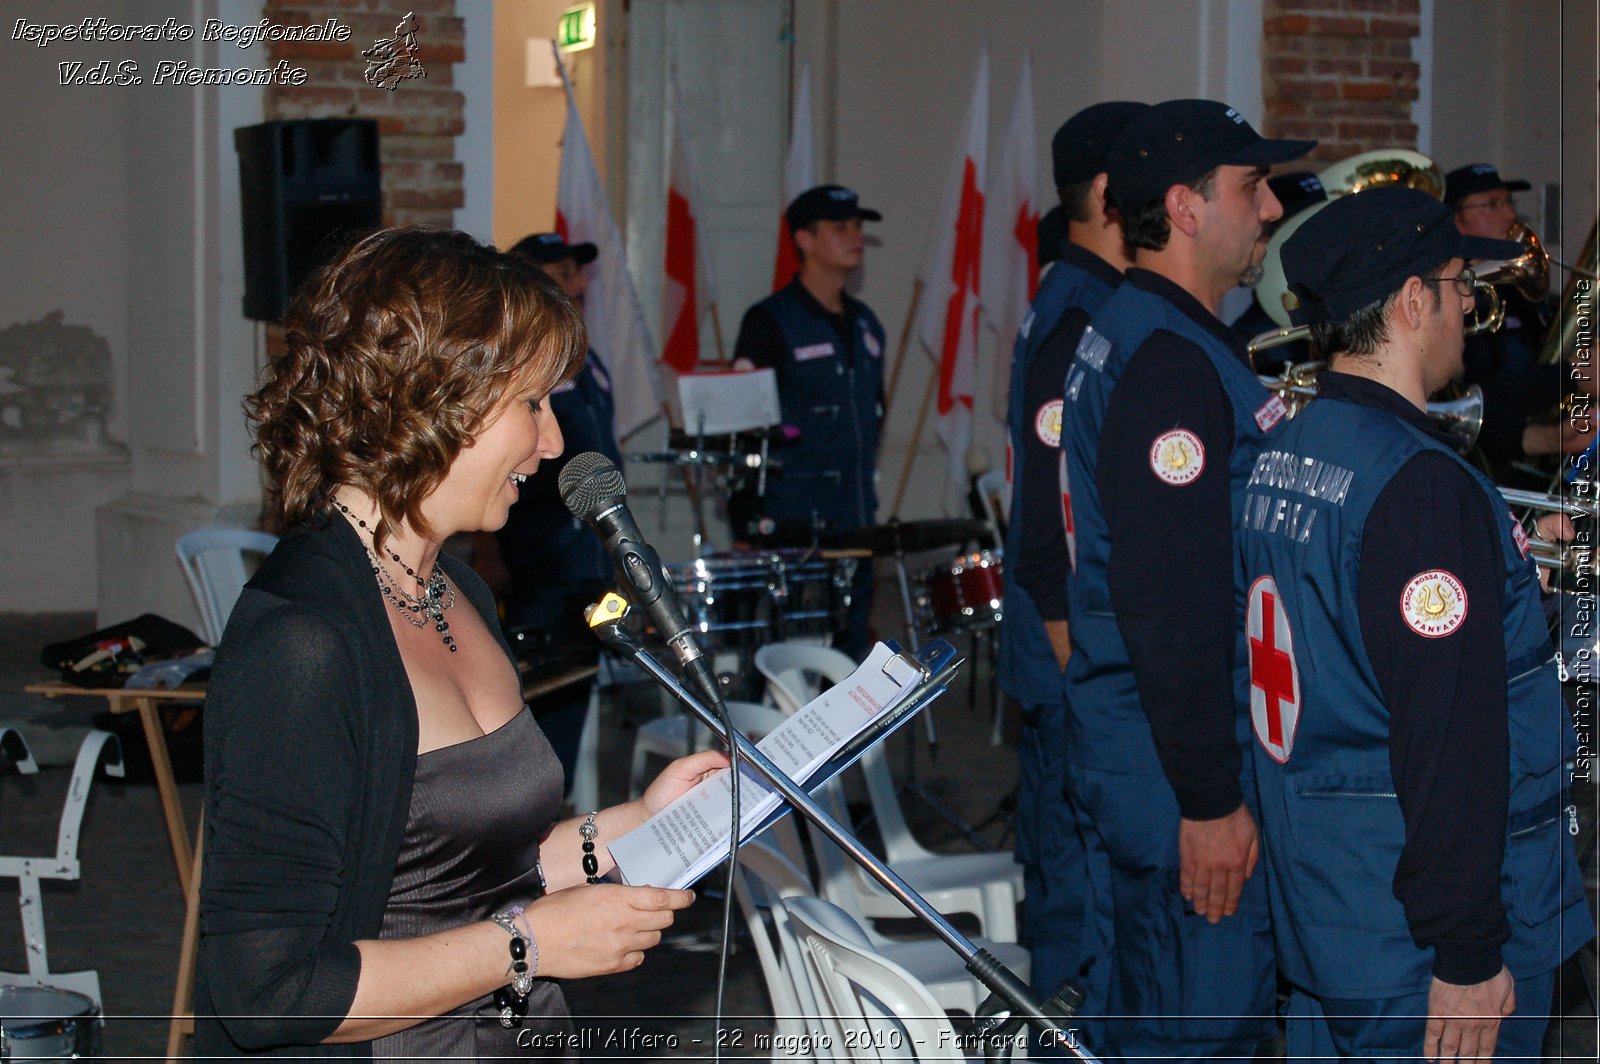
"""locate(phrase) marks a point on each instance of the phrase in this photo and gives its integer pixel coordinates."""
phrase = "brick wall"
(1340, 72)
(417, 122)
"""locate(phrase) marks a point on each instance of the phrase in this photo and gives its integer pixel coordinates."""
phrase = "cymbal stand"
(911, 786)
(1011, 1001)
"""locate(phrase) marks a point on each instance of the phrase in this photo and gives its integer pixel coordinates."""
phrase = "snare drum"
(812, 593)
(730, 598)
(962, 596)
(44, 1023)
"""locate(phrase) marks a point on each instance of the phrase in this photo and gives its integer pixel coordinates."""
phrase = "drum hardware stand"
(1011, 1002)
(97, 747)
(911, 786)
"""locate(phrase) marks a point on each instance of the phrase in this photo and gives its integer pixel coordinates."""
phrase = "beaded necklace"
(436, 597)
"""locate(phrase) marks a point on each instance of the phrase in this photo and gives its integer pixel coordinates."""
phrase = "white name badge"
(811, 351)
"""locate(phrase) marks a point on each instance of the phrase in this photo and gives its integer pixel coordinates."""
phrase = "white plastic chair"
(930, 960)
(765, 878)
(988, 885)
(670, 737)
(213, 562)
(873, 1009)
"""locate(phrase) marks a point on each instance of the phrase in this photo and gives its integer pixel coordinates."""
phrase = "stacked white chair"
(872, 1009)
(989, 885)
(934, 964)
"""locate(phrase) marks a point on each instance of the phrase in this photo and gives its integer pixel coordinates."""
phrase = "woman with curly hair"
(384, 874)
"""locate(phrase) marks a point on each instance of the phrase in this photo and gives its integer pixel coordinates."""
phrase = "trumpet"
(1575, 564)
(1461, 418)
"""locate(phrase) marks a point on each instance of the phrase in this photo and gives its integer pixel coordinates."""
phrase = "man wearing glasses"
(1519, 392)
(1410, 735)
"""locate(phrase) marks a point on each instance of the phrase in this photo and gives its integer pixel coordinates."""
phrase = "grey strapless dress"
(471, 846)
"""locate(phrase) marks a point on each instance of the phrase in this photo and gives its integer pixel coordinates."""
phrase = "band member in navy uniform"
(1518, 389)
(826, 347)
(1034, 644)
(1162, 423)
(544, 563)
(1411, 736)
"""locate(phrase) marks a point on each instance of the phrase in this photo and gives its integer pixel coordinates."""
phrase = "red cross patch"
(1519, 535)
(1274, 674)
(1066, 511)
(1271, 412)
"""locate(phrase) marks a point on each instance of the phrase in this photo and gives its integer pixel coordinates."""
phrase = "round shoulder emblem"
(1434, 603)
(1047, 423)
(1177, 457)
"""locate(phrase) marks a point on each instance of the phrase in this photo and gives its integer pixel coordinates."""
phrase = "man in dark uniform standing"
(1517, 389)
(1163, 420)
(1034, 645)
(545, 563)
(826, 348)
(1411, 738)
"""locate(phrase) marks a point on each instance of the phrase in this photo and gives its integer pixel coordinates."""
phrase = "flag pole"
(716, 333)
(916, 441)
(900, 350)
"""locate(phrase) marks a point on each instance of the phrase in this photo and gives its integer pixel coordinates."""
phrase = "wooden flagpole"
(900, 351)
(916, 441)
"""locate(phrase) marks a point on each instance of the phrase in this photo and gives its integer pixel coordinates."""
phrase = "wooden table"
(145, 702)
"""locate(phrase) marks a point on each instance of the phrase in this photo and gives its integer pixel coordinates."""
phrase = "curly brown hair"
(396, 352)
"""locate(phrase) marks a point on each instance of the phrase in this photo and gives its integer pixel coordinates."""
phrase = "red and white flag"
(1011, 233)
(689, 289)
(617, 327)
(799, 174)
(947, 319)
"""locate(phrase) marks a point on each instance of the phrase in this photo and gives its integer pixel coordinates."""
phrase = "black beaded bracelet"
(591, 863)
(512, 1000)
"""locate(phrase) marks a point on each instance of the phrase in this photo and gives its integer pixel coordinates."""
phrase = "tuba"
(1370, 169)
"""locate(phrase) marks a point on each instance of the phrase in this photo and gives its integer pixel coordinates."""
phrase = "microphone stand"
(1012, 1001)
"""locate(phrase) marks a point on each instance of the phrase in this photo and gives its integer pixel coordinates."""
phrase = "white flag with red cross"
(689, 290)
(1011, 234)
(947, 319)
(799, 174)
(617, 327)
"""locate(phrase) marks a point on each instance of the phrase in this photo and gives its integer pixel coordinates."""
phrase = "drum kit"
(794, 581)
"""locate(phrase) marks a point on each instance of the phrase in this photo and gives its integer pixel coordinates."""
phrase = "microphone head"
(589, 479)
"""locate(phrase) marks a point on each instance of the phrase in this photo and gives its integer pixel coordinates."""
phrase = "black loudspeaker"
(304, 187)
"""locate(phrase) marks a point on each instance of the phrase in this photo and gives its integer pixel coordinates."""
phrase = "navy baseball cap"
(549, 247)
(1175, 142)
(1081, 146)
(1297, 191)
(831, 203)
(1468, 180)
(1360, 248)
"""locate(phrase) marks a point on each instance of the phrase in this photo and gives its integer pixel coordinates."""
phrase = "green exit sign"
(575, 31)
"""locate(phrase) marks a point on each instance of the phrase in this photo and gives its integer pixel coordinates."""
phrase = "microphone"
(593, 489)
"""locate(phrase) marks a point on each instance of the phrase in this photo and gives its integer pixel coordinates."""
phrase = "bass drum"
(44, 1023)
(963, 596)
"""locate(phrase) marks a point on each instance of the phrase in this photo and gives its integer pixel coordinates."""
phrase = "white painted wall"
(1514, 84)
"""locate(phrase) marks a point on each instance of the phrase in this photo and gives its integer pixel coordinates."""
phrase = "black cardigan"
(310, 752)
